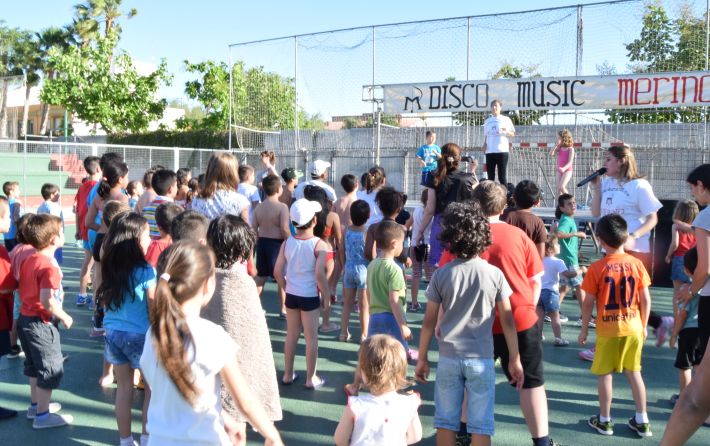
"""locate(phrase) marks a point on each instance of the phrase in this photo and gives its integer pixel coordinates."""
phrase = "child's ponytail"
(561, 201)
(184, 268)
(448, 162)
(375, 178)
(113, 172)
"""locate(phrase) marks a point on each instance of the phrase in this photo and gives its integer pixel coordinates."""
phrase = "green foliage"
(115, 97)
(196, 138)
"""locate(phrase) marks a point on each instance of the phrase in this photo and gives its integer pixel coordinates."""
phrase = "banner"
(632, 91)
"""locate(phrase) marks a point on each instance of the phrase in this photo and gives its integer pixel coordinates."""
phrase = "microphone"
(592, 176)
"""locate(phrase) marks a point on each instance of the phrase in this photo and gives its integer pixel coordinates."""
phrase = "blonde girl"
(186, 357)
(384, 416)
(681, 241)
(565, 159)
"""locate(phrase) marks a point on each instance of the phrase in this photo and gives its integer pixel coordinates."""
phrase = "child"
(12, 192)
(342, 205)
(384, 416)
(164, 216)
(93, 170)
(468, 290)
(373, 181)
(618, 284)
(290, 177)
(419, 259)
(685, 212)
(148, 192)
(246, 187)
(355, 271)
(17, 258)
(235, 306)
(164, 184)
(270, 221)
(7, 284)
(189, 225)
(126, 290)
(184, 175)
(51, 206)
(185, 357)
(42, 295)
(385, 291)
(427, 156)
(549, 303)
(565, 159)
(300, 269)
(515, 254)
(134, 191)
(527, 195)
(568, 237)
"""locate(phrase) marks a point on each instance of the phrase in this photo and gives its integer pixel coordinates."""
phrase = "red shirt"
(19, 254)
(38, 272)
(82, 207)
(154, 250)
(516, 255)
(685, 242)
(7, 283)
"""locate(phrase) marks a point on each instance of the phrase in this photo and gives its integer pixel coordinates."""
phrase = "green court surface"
(310, 417)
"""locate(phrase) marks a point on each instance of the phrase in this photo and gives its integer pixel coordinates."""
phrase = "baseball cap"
(303, 211)
(318, 167)
(290, 173)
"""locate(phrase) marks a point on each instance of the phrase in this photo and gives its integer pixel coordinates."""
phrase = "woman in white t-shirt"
(219, 195)
(497, 130)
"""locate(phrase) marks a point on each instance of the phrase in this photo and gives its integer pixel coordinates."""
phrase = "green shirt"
(383, 276)
(568, 246)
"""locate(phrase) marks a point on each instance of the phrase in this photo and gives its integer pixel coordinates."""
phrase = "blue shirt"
(12, 232)
(354, 249)
(428, 154)
(691, 308)
(133, 314)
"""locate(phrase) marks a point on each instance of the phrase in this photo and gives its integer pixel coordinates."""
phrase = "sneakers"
(561, 342)
(15, 352)
(52, 420)
(662, 331)
(548, 319)
(414, 307)
(80, 301)
(603, 428)
(563, 318)
(97, 332)
(412, 355)
(587, 355)
(592, 323)
(90, 303)
(642, 429)
(32, 410)
(674, 399)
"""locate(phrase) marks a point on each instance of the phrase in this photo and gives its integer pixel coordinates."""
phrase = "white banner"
(650, 90)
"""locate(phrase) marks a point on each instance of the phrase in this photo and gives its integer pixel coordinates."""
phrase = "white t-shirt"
(171, 419)
(551, 277)
(417, 218)
(383, 419)
(634, 201)
(223, 202)
(329, 191)
(251, 193)
(375, 212)
(494, 130)
(703, 221)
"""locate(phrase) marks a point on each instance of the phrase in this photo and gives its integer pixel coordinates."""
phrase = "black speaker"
(661, 274)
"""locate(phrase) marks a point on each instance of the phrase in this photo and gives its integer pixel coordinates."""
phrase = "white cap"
(318, 167)
(303, 211)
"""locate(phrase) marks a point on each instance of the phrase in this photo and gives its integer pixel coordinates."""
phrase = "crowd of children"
(179, 265)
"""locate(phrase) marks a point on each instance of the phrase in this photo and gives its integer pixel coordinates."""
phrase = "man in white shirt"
(497, 129)
(319, 173)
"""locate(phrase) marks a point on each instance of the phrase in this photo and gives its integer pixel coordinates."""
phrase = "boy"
(81, 207)
(189, 225)
(515, 254)
(7, 286)
(290, 177)
(342, 204)
(17, 258)
(164, 216)
(12, 192)
(41, 294)
(549, 303)
(527, 196)
(148, 192)
(270, 221)
(246, 187)
(51, 206)
(618, 284)
(465, 287)
(428, 155)
(164, 184)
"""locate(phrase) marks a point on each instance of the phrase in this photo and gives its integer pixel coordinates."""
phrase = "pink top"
(563, 157)
(18, 257)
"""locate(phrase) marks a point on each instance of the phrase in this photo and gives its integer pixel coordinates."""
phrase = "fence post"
(94, 150)
(176, 159)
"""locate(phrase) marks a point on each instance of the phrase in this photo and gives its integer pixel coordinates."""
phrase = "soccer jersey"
(569, 247)
(616, 280)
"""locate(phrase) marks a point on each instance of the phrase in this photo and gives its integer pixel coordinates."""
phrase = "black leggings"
(500, 160)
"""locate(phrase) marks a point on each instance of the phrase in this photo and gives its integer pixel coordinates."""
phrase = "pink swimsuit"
(563, 158)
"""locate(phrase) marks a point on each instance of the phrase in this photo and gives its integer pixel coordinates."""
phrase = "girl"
(301, 270)
(126, 290)
(419, 259)
(565, 159)
(185, 357)
(184, 175)
(384, 416)
(134, 191)
(681, 241)
(236, 307)
(568, 237)
(372, 181)
(355, 275)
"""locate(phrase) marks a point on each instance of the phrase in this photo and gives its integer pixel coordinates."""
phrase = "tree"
(93, 14)
(9, 72)
(47, 39)
(117, 98)
(519, 117)
(26, 60)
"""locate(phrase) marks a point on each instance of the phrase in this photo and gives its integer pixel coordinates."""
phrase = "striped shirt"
(149, 213)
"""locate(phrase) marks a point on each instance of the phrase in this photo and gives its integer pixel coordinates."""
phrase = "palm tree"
(26, 59)
(89, 17)
(8, 70)
(47, 39)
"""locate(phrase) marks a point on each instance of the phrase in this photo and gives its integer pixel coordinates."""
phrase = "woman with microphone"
(627, 193)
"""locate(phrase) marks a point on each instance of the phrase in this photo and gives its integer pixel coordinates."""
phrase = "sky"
(200, 30)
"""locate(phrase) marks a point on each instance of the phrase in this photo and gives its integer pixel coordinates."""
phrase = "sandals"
(344, 337)
(320, 384)
(294, 377)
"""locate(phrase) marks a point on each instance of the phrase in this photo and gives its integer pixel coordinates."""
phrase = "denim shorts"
(16, 305)
(124, 347)
(678, 271)
(549, 300)
(355, 277)
(571, 282)
(475, 375)
(385, 323)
